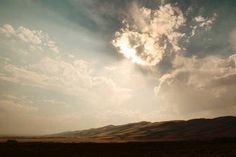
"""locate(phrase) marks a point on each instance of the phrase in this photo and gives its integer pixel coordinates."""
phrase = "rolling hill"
(195, 129)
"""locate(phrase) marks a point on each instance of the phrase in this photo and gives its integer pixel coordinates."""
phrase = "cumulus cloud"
(200, 22)
(150, 35)
(205, 22)
(197, 86)
(36, 39)
(192, 86)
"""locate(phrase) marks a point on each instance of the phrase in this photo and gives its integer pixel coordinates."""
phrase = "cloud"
(153, 36)
(199, 22)
(232, 39)
(51, 81)
(205, 22)
(36, 39)
(150, 35)
(58, 72)
(15, 105)
(73, 93)
(187, 84)
(200, 86)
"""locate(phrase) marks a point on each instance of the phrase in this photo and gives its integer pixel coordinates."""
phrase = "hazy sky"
(76, 64)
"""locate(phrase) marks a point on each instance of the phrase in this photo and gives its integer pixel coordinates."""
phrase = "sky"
(77, 64)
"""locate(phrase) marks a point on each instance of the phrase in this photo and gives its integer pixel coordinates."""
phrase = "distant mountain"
(195, 129)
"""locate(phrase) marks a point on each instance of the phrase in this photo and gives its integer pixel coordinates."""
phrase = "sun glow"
(130, 53)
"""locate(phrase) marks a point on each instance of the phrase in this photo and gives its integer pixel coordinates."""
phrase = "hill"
(195, 129)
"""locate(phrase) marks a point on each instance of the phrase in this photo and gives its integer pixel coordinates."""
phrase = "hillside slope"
(195, 129)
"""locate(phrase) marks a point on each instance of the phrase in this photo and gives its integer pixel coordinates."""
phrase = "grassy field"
(216, 148)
